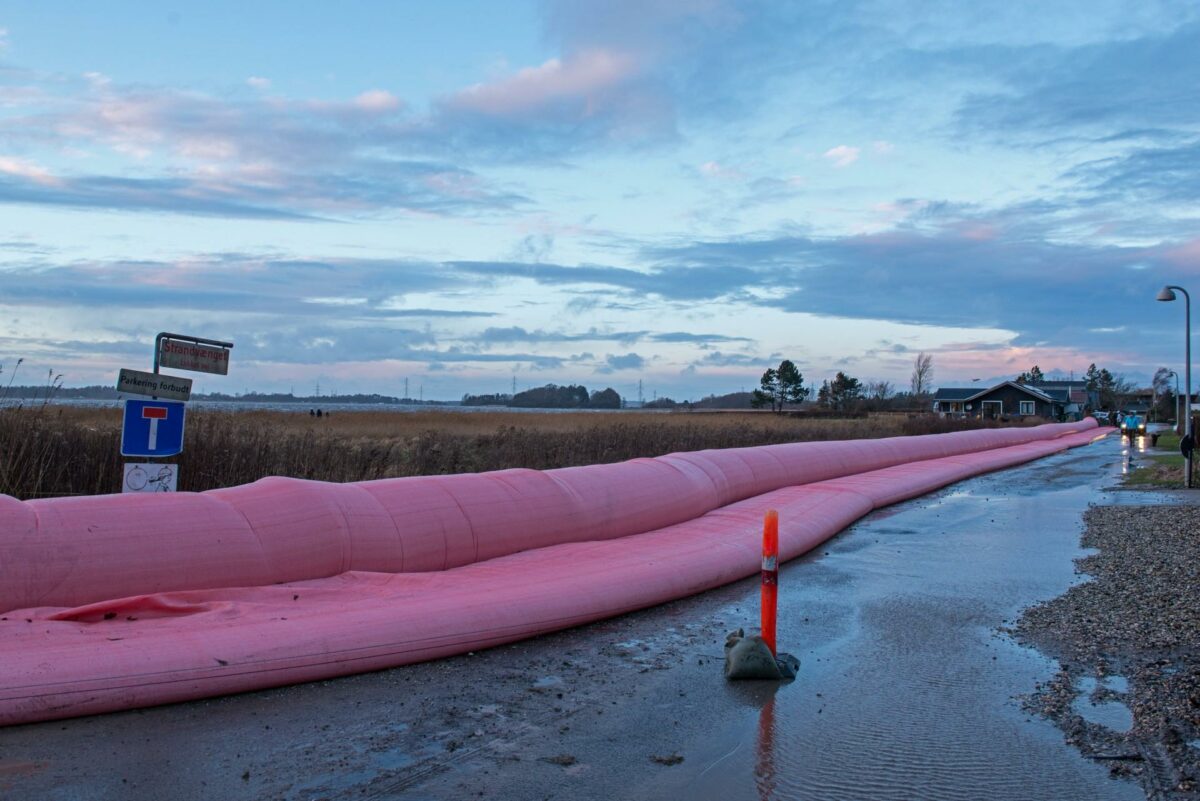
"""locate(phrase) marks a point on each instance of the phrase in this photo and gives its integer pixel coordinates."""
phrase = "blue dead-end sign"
(152, 428)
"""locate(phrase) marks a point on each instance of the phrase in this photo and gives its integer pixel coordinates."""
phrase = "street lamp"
(1167, 293)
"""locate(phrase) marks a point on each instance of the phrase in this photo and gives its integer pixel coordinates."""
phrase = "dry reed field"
(65, 450)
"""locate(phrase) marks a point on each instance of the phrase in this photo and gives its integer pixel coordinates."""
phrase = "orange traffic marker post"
(755, 657)
(770, 577)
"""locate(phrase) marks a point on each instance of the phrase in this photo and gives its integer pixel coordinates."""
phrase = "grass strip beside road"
(1160, 467)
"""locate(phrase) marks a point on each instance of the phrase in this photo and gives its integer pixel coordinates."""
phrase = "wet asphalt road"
(907, 689)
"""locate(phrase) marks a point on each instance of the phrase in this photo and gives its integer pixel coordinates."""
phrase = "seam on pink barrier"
(470, 527)
(397, 540)
(262, 551)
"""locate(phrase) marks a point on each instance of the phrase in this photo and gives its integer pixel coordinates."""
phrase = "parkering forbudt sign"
(193, 356)
(171, 387)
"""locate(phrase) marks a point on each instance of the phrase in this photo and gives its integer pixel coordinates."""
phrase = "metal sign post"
(154, 429)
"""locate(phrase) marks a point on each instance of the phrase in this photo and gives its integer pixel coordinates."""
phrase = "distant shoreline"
(303, 406)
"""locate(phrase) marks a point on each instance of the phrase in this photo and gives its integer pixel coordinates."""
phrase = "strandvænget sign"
(192, 356)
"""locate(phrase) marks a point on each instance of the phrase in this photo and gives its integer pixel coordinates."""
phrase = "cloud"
(627, 361)
(1040, 290)
(33, 173)
(259, 83)
(842, 155)
(674, 283)
(237, 283)
(414, 186)
(1094, 87)
(591, 100)
(377, 100)
(584, 81)
(127, 194)
(1162, 174)
(719, 359)
(264, 157)
(714, 169)
(683, 336)
(511, 334)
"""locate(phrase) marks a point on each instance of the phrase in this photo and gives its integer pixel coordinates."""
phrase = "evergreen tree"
(1033, 377)
(844, 392)
(1106, 386)
(780, 386)
(768, 390)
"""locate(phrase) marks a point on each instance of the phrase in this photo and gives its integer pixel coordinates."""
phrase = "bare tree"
(878, 393)
(1164, 397)
(880, 390)
(922, 375)
(1161, 382)
(1123, 389)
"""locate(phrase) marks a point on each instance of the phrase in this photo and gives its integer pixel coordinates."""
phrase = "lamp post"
(1167, 293)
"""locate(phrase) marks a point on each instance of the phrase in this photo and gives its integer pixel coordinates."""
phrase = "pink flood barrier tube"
(124, 601)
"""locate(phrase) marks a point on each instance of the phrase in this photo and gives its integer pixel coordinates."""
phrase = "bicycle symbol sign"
(150, 477)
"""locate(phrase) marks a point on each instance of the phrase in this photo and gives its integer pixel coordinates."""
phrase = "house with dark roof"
(1051, 400)
(953, 400)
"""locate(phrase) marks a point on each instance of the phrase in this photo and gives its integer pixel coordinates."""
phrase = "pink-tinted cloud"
(28, 170)
(377, 100)
(586, 79)
(956, 364)
(1185, 256)
(263, 157)
(842, 155)
(978, 231)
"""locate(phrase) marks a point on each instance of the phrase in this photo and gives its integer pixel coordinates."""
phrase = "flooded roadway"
(907, 689)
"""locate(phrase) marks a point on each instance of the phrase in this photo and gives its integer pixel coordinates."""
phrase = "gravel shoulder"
(1129, 636)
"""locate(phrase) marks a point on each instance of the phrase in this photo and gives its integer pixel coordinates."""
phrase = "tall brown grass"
(64, 450)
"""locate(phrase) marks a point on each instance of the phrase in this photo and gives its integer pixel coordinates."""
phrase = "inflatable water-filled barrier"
(120, 601)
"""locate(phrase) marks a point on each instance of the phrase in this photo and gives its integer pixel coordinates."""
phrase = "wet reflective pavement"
(907, 688)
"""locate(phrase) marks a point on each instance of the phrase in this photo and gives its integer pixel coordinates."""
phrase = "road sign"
(170, 387)
(195, 356)
(150, 477)
(152, 428)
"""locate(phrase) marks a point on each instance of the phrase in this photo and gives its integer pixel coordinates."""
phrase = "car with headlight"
(1132, 425)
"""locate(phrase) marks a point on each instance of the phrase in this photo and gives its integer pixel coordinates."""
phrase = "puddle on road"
(1109, 714)
(1096, 706)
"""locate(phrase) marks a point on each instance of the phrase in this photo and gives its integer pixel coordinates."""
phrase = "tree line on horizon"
(778, 388)
(550, 396)
(784, 386)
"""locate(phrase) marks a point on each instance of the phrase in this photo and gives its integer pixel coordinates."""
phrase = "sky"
(472, 195)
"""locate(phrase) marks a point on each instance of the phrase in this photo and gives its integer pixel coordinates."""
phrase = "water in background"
(304, 407)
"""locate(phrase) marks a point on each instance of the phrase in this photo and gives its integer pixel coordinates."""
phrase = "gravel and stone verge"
(1137, 618)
